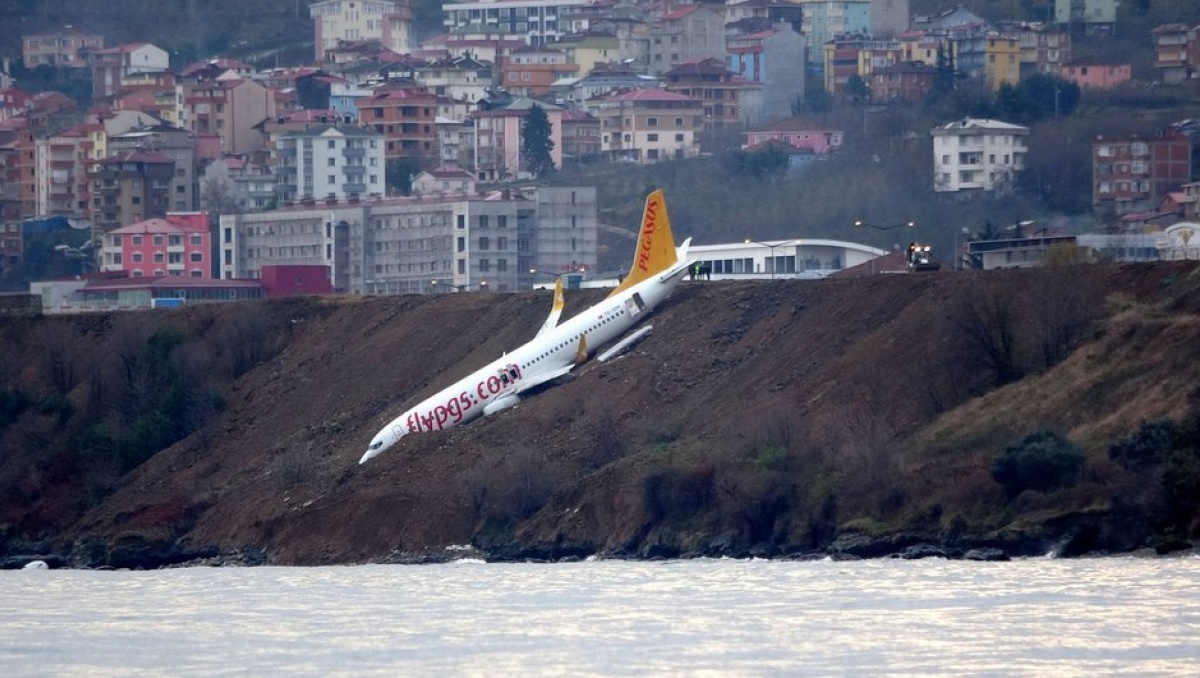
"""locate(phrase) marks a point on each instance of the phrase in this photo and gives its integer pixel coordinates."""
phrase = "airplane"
(557, 348)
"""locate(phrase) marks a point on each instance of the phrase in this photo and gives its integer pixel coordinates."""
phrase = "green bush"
(1146, 448)
(1043, 461)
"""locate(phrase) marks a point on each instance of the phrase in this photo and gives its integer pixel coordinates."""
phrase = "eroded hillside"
(772, 417)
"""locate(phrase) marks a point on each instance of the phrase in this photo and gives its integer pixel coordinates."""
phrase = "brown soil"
(778, 413)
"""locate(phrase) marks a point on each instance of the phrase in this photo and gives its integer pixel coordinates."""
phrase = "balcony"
(349, 152)
(354, 170)
(349, 187)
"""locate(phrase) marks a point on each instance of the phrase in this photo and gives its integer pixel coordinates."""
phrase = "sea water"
(1037, 617)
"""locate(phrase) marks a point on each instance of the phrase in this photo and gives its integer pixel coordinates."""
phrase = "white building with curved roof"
(803, 258)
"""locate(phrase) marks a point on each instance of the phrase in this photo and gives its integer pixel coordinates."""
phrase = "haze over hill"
(853, 416)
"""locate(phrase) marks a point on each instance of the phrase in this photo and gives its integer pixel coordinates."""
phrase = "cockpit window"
(376, 445)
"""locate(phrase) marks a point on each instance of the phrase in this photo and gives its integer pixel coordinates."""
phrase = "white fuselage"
(547, 356)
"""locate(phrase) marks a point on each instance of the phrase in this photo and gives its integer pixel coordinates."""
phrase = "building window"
(502, 221)
(196, 257)
(175, 240)
(197, 239)
(137, 240)
(158, 257)
(483, 243)
(484, 266)
(158, 240)
(137, 257)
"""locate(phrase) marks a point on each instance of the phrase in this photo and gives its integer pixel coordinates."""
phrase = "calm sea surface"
(1038, 617)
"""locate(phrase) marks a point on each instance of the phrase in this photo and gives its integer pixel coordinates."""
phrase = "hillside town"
(392, 165)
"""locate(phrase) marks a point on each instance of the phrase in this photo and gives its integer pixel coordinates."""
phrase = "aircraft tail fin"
(655, 250)
(555, 310)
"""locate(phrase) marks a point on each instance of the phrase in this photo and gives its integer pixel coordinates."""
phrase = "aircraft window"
(376, 445)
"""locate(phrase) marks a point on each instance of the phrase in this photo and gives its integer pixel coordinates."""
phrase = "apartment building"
(721, 91)
(336, 21)
(177, 244)
(977, 154)
(129, 187)
(537, 21)
(229, 107)
(176, 143)
(1176, 51)
(773, 59)
(405, 115)
(110, 65)
(498, 134)
(459, 78)
(1092, 74)
(1002, 61)
(429, 244)
(329, 162)
(824, 20)
(1131, 174)
(1092, 15)
(63, 185)
(646, 126)
(530, 71)
(686, 34)
(65, 47)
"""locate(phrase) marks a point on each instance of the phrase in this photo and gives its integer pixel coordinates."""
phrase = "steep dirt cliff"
(768, 417)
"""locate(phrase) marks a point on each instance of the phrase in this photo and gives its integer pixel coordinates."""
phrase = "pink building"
(1093, 75)
(799, 134)
(178, 245)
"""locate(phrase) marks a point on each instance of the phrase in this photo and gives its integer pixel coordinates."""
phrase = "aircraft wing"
(555, 310)
(539, 379)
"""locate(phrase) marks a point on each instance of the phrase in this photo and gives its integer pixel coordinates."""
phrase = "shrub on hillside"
(1043, 461)
(1146, 448)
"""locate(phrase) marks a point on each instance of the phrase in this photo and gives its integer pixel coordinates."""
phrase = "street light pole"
(768, 245)
(859, 223)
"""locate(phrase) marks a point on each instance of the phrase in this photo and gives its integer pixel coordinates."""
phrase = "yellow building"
(1001, 61)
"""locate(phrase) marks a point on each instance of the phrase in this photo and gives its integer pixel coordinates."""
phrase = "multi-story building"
(129, 187)
(65, 47)
(587, 50)
(646, 126)
(460, 78)
(536, 20)
(889, 17)
(530, 71)
(719, 89)
(825, 20)
(908, 82)
(110, 65)
(1176, 51)
(63, 186)
(177, 244)
(1093, 15)
(329, 162)
(1002, 61)
(1092, 74)
(774, 59)
(405, 115)
(847, 57)
(175, 143)
(1132, 174)
(580, 136)
(498, 138)
(236, 183)
(421, 245)
(686, 33)
(229, 107)
(337, 21)
(977, 155)
(1042, 50)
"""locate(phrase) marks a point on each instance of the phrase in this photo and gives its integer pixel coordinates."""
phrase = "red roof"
(185, 223)
(648, 95)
